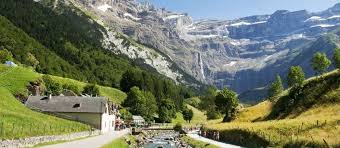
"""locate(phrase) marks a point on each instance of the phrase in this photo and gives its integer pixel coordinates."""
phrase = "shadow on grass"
(302, 98)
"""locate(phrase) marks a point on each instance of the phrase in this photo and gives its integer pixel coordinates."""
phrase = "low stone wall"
(29, 142)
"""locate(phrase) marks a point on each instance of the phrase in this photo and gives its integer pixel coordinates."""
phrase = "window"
(76, 105)
(44, 98)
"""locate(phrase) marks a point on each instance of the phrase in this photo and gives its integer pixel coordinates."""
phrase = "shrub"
(178, 128)
(52, 87)
(91, 89)
(73, 88)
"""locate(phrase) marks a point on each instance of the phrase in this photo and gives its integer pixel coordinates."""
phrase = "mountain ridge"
(209, 48)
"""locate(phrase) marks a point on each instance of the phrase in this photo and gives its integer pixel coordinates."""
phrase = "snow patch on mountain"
(104, 7)
(334, 17)
(175, 16)
(246, 23)
(128, 15)
(314, 18)
(232, 63)
(323, 25)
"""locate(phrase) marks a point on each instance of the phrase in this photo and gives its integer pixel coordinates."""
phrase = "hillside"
(241, 53)
(198, 118)
(113, 94)
(16, 80)
(311, 120)
(16, 120)
(80, 47)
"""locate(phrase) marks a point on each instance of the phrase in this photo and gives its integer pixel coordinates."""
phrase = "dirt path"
(93, 142)
(219, 144)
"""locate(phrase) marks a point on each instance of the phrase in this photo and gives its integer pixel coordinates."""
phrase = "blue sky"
(230, 9)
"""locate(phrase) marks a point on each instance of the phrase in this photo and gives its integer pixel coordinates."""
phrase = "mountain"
(243, 54)
(80, 46)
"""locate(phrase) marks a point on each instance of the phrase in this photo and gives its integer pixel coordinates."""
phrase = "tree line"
(152, 96)
(296, 76)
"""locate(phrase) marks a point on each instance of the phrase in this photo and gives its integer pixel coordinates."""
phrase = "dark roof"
(68, 104)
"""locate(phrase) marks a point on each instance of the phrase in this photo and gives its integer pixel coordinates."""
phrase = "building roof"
(10, 63)
(69, 104)
(138, 118)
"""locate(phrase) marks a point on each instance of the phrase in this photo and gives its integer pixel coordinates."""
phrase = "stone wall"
(29, 142)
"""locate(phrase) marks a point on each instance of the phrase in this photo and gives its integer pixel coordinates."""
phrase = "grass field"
(118, 143)
(17, 121)
(197, 144)
(315, 126)
(16, 79)
(121, 142)
(113, 94)
(198, 118)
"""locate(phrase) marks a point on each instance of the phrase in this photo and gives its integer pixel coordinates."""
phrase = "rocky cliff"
(242, 54)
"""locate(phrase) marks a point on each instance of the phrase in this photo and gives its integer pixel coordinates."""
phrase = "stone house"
(95, 111)
(138, 120)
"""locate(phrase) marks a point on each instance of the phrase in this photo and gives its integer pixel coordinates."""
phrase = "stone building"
(95, 111)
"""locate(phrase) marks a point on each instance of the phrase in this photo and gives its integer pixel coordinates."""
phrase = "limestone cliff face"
(243, 54)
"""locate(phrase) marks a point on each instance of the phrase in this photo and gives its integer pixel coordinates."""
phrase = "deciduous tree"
(5, 55)
(188, 114)
(296, 76)
(226, 102)
(167, 110)
(320, 63)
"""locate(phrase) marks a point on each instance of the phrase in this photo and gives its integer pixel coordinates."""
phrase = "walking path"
(92, 142)
(219, 144)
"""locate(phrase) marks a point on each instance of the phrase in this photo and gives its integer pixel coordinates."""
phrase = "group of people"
(215, 135)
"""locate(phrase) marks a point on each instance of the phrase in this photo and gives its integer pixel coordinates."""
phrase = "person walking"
(218, 136)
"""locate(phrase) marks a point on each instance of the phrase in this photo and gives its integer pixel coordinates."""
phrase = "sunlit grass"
(311, 126)
(316, 126)
(198, 118)
(197, 144)
(17, 121)
(113, 94)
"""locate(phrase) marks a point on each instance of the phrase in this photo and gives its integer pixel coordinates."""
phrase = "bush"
(178, 128)
(5, 55)
(91, 89)
(73, 88)
(52, 87)
(213, 114)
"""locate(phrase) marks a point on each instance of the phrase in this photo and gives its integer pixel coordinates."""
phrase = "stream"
(163, 139)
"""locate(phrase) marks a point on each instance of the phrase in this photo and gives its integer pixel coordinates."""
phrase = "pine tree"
(336, 58)
(276, 87)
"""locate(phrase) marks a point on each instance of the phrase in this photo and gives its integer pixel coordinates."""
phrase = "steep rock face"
(243, 54)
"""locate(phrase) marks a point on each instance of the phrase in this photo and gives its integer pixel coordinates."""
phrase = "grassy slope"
(25, 121)
(198, 118)
(14, 81)
(312, 127)
(113, 94)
